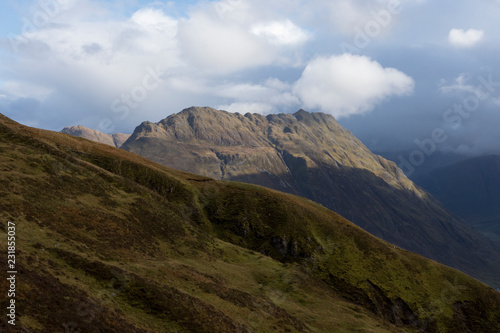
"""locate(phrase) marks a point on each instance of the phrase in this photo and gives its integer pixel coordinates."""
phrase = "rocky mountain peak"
(115, 140)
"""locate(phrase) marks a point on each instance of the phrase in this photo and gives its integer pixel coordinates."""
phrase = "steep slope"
(115, 140)
(311, 155)
(436, 160)
(471, 190)
(108, 241)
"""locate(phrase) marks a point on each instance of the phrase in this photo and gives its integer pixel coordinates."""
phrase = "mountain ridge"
(115, 140)
(311, 155)
(246, 139)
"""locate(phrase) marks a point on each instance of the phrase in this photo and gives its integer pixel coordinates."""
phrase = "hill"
(108, 241)
(311, 155)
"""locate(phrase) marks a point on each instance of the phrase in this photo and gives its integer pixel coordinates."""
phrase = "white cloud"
(350, 15)
(244, 108)
(349, 84)
(281, 32)
(220, 46)
(347, 15)
(229, 36)
(150, 17)
(465, 38)
(266, 97)
(104, 55)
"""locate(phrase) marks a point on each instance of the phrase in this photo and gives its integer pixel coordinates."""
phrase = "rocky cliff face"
(311, 155)
(115, 140)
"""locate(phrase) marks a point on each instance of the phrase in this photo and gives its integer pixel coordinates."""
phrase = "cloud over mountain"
(349, 84)
(89, 62)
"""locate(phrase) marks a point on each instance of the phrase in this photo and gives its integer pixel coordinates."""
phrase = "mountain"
(311, 155)
(115, 140)
(471, 190)
(437, 159)
(107, 241)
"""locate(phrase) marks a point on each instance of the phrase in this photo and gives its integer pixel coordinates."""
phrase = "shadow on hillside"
(401, 217)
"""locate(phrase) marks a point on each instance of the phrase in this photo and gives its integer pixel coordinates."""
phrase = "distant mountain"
(471, 190)
(438, 159)
(108, 241)
(115, 140)
(311, 155)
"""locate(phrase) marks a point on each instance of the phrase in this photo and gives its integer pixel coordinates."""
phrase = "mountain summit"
(281, 143)
(311, 155)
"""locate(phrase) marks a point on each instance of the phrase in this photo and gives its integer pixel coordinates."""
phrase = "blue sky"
(391, 71)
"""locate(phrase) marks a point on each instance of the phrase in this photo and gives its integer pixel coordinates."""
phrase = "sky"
(403, 75)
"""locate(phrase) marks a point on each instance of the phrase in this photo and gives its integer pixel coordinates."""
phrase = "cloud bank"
(349, 84)
(112, 64)
(101, 62)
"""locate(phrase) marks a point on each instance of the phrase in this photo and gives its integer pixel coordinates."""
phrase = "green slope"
(110, 242)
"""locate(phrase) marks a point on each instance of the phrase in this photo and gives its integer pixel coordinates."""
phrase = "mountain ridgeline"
(108, 241)
(311, 155)
(115, 140)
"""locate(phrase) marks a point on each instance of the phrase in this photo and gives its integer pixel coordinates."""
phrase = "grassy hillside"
(311, 155)
(111, 242)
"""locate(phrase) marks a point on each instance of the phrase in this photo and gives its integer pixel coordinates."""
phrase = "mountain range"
(470, 189)
(108, 241)
(311, 155)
